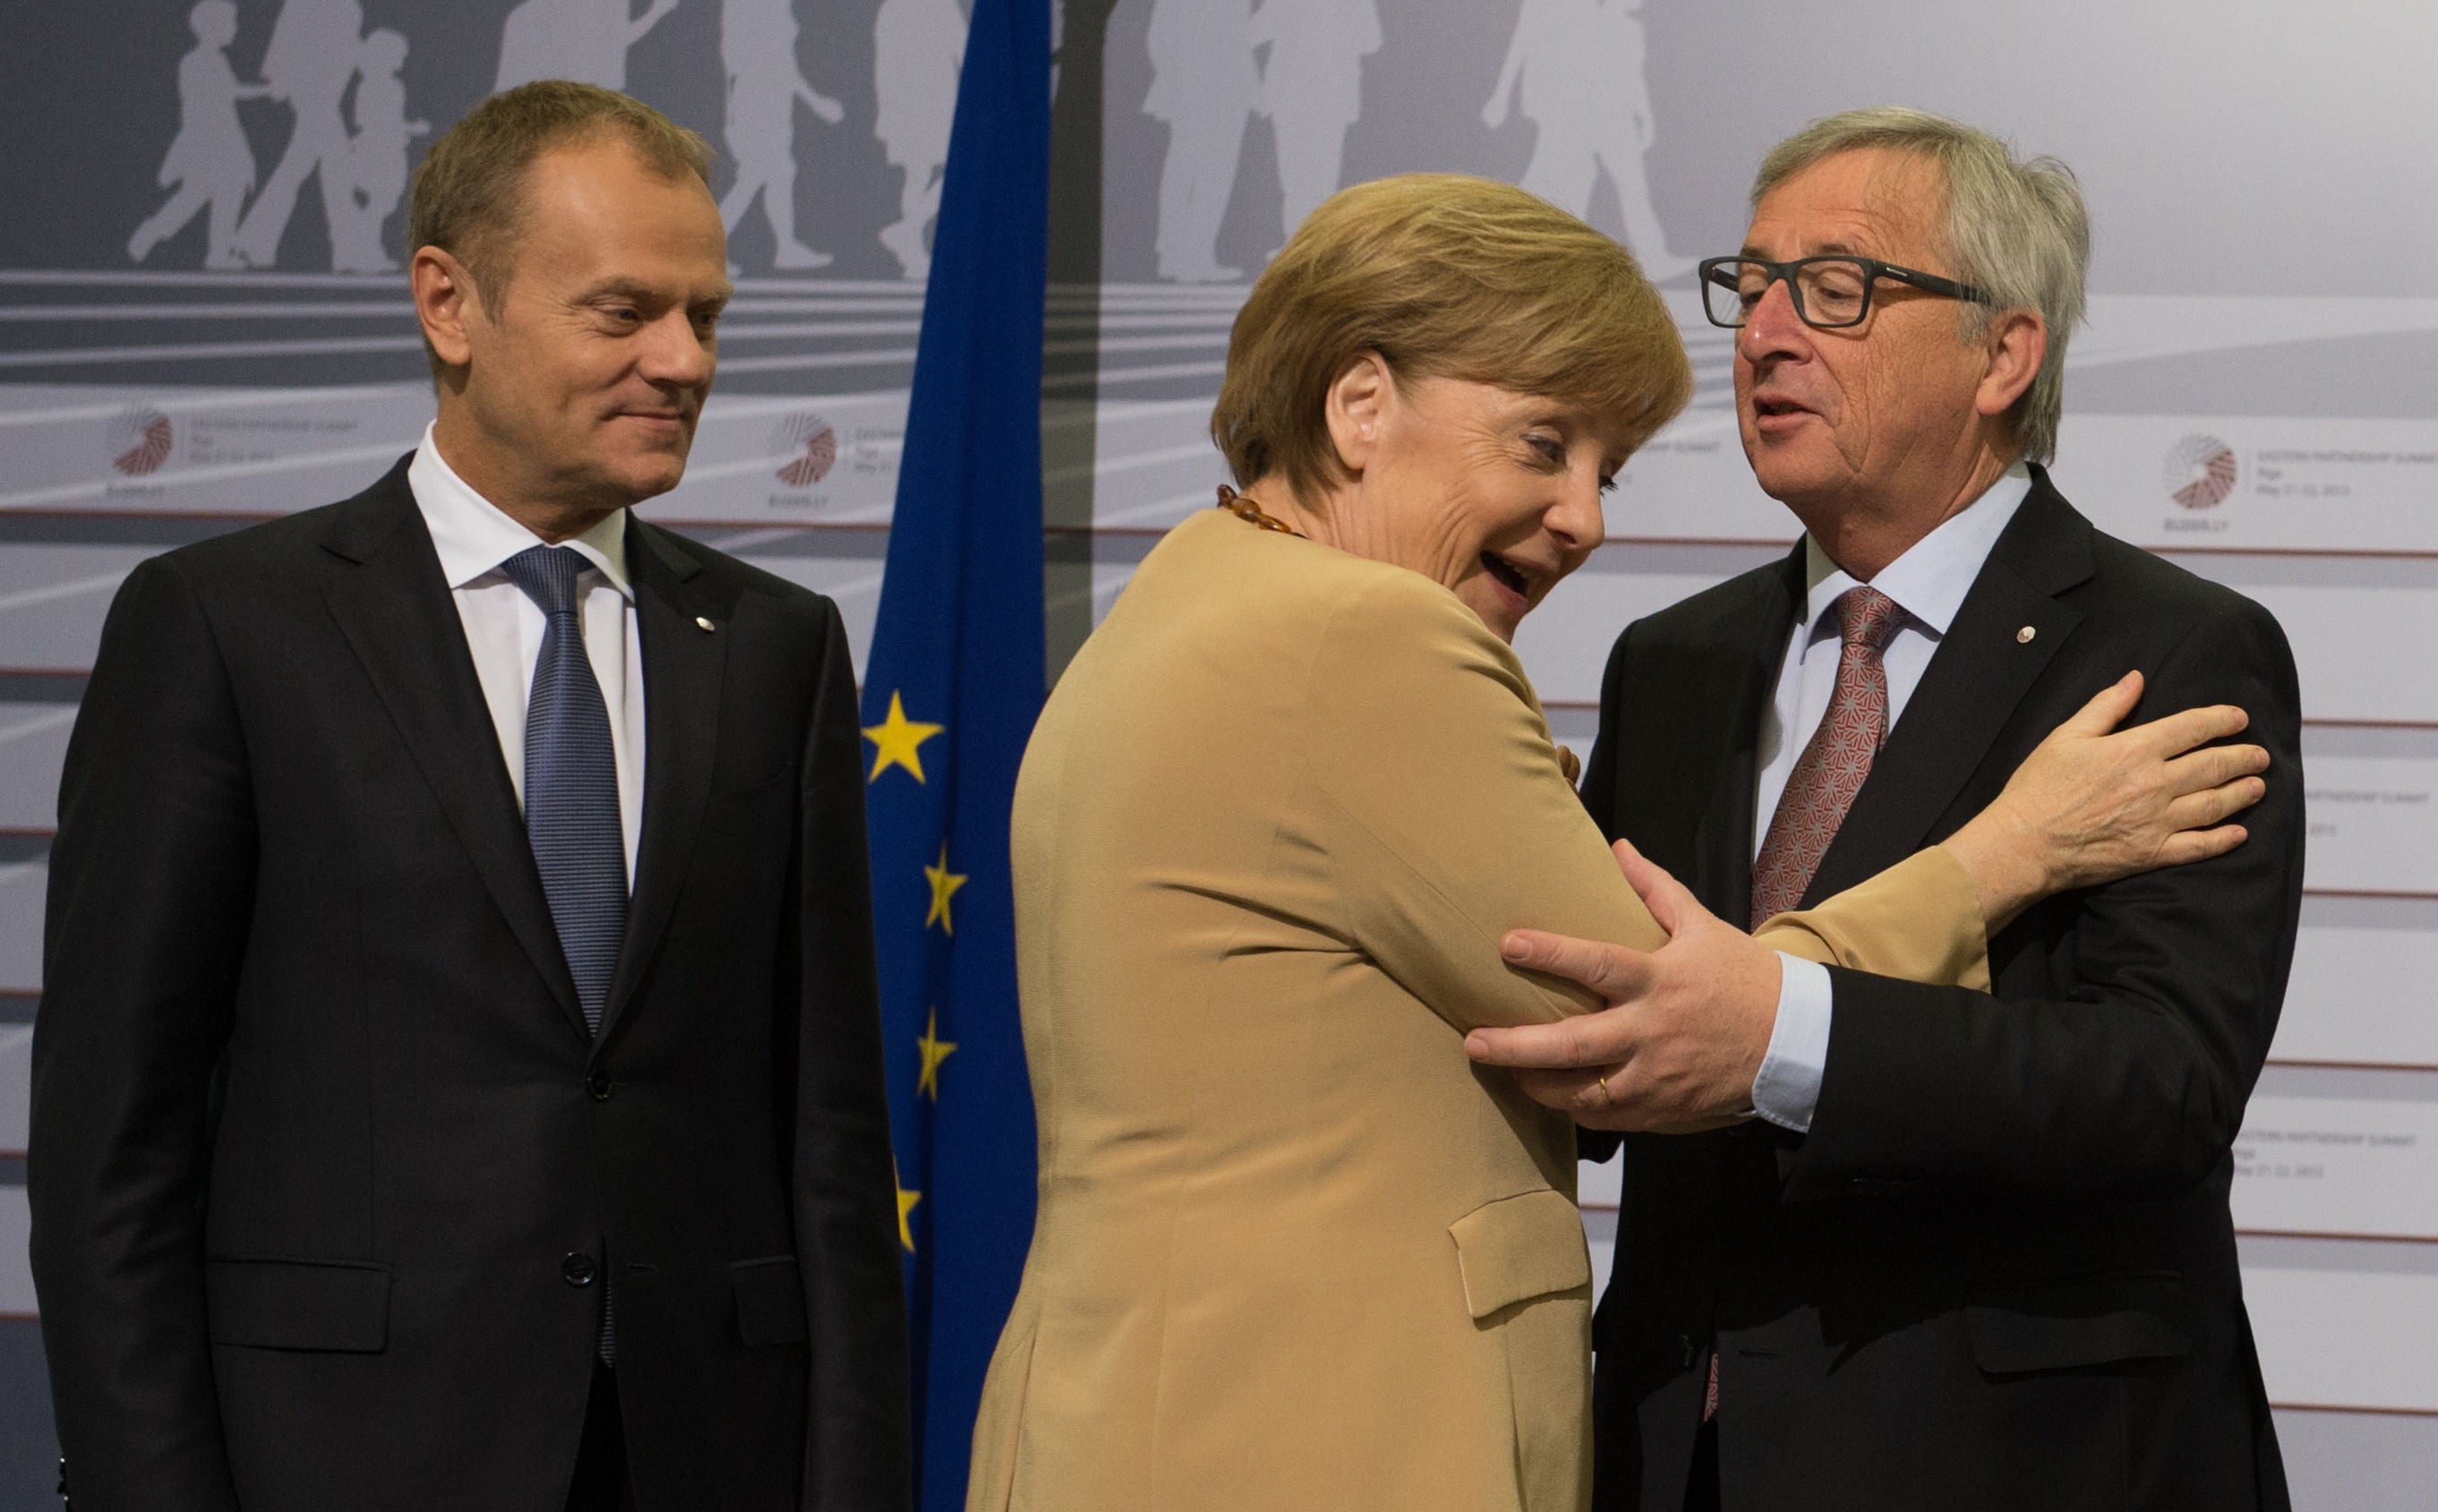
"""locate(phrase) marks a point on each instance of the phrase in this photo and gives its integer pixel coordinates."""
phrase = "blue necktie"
(571, 783)
(571, 797)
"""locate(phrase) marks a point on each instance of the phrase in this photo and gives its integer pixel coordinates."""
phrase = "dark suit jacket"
(322, 1155)
(2000, 1272)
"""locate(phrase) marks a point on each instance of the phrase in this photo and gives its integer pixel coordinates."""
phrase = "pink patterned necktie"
(1831, 772)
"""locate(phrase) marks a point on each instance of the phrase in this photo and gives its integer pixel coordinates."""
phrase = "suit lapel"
(394, 608)
(1983, 668)
(1722, 842)
(683, 662)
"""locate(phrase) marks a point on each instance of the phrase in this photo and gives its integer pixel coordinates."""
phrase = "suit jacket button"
(599, 1085)
(577, 1269)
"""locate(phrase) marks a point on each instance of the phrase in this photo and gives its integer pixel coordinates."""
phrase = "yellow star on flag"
(935, 1050)
(898, 741)
(945, 884)
(906, 1202)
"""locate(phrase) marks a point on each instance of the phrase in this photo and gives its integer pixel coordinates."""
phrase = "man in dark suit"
(1975, 1249)
(458, 1078)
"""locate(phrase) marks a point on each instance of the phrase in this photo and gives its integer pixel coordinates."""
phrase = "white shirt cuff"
(1788, 1086)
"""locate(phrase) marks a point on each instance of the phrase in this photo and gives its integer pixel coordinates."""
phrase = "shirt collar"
(1929, 580)
(474, 535)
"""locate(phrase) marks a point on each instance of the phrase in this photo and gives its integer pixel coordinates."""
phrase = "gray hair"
(2015, 228)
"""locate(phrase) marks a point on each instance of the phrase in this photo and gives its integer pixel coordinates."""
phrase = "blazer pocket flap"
(755, 807)
(333, 1304)
(770, 1301)
(2076, 1321)
(1520, 1247)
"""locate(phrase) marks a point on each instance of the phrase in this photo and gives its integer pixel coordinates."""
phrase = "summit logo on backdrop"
(139, 441)
(810, 445)
(2199, 472)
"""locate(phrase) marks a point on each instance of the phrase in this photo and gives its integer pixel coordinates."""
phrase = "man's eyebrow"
(616, 287)
(635, 290)
(1817, 249)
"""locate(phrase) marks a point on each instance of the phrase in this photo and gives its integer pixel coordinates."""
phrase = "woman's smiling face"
(1493, 493)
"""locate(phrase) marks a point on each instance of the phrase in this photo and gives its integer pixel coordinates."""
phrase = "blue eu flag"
(949, 697)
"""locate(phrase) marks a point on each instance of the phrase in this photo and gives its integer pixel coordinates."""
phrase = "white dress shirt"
(504, 628)
(1928, 583)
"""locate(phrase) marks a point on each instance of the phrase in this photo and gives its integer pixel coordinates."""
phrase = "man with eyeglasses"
(1938, 1249)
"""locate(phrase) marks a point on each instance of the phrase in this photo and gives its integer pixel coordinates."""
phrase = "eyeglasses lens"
(1834, 291)
(1830, 290)
(1723, 294)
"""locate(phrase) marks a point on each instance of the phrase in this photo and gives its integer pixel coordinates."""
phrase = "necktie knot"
(548, 574)
(1866, 617)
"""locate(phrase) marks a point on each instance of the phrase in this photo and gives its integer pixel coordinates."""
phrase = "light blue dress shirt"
(1928, 583)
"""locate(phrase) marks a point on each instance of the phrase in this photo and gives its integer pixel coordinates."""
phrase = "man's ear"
(2017, 341)
(1357, 408)
(446, 302)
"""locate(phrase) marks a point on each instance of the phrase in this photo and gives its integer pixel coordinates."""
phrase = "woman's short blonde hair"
(1444, 276)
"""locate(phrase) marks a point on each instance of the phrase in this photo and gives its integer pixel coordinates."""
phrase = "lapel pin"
(2022, 637)
(701, 624)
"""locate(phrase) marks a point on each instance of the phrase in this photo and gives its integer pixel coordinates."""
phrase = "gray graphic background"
(2265, 280)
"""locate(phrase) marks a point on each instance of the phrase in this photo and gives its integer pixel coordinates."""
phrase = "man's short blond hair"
(1444, 276)
(467, 198)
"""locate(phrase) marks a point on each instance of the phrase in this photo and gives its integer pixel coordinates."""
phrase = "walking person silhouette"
(376, 171)
(1203, 85)
(1576, 70)
(757, 43)
(209, 165)
(918, 48)
(1312, 90)
(308, 67)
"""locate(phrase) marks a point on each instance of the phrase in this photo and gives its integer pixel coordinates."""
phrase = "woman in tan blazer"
(1294, 1250)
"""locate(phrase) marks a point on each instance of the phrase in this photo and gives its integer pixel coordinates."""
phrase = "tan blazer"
(1294, 1250)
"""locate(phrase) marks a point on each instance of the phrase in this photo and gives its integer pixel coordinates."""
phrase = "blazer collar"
(2010, 625)
(393, 604)
(685, 638)
(1756, 638)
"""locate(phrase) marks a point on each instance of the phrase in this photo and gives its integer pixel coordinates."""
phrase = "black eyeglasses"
(1829, 292)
